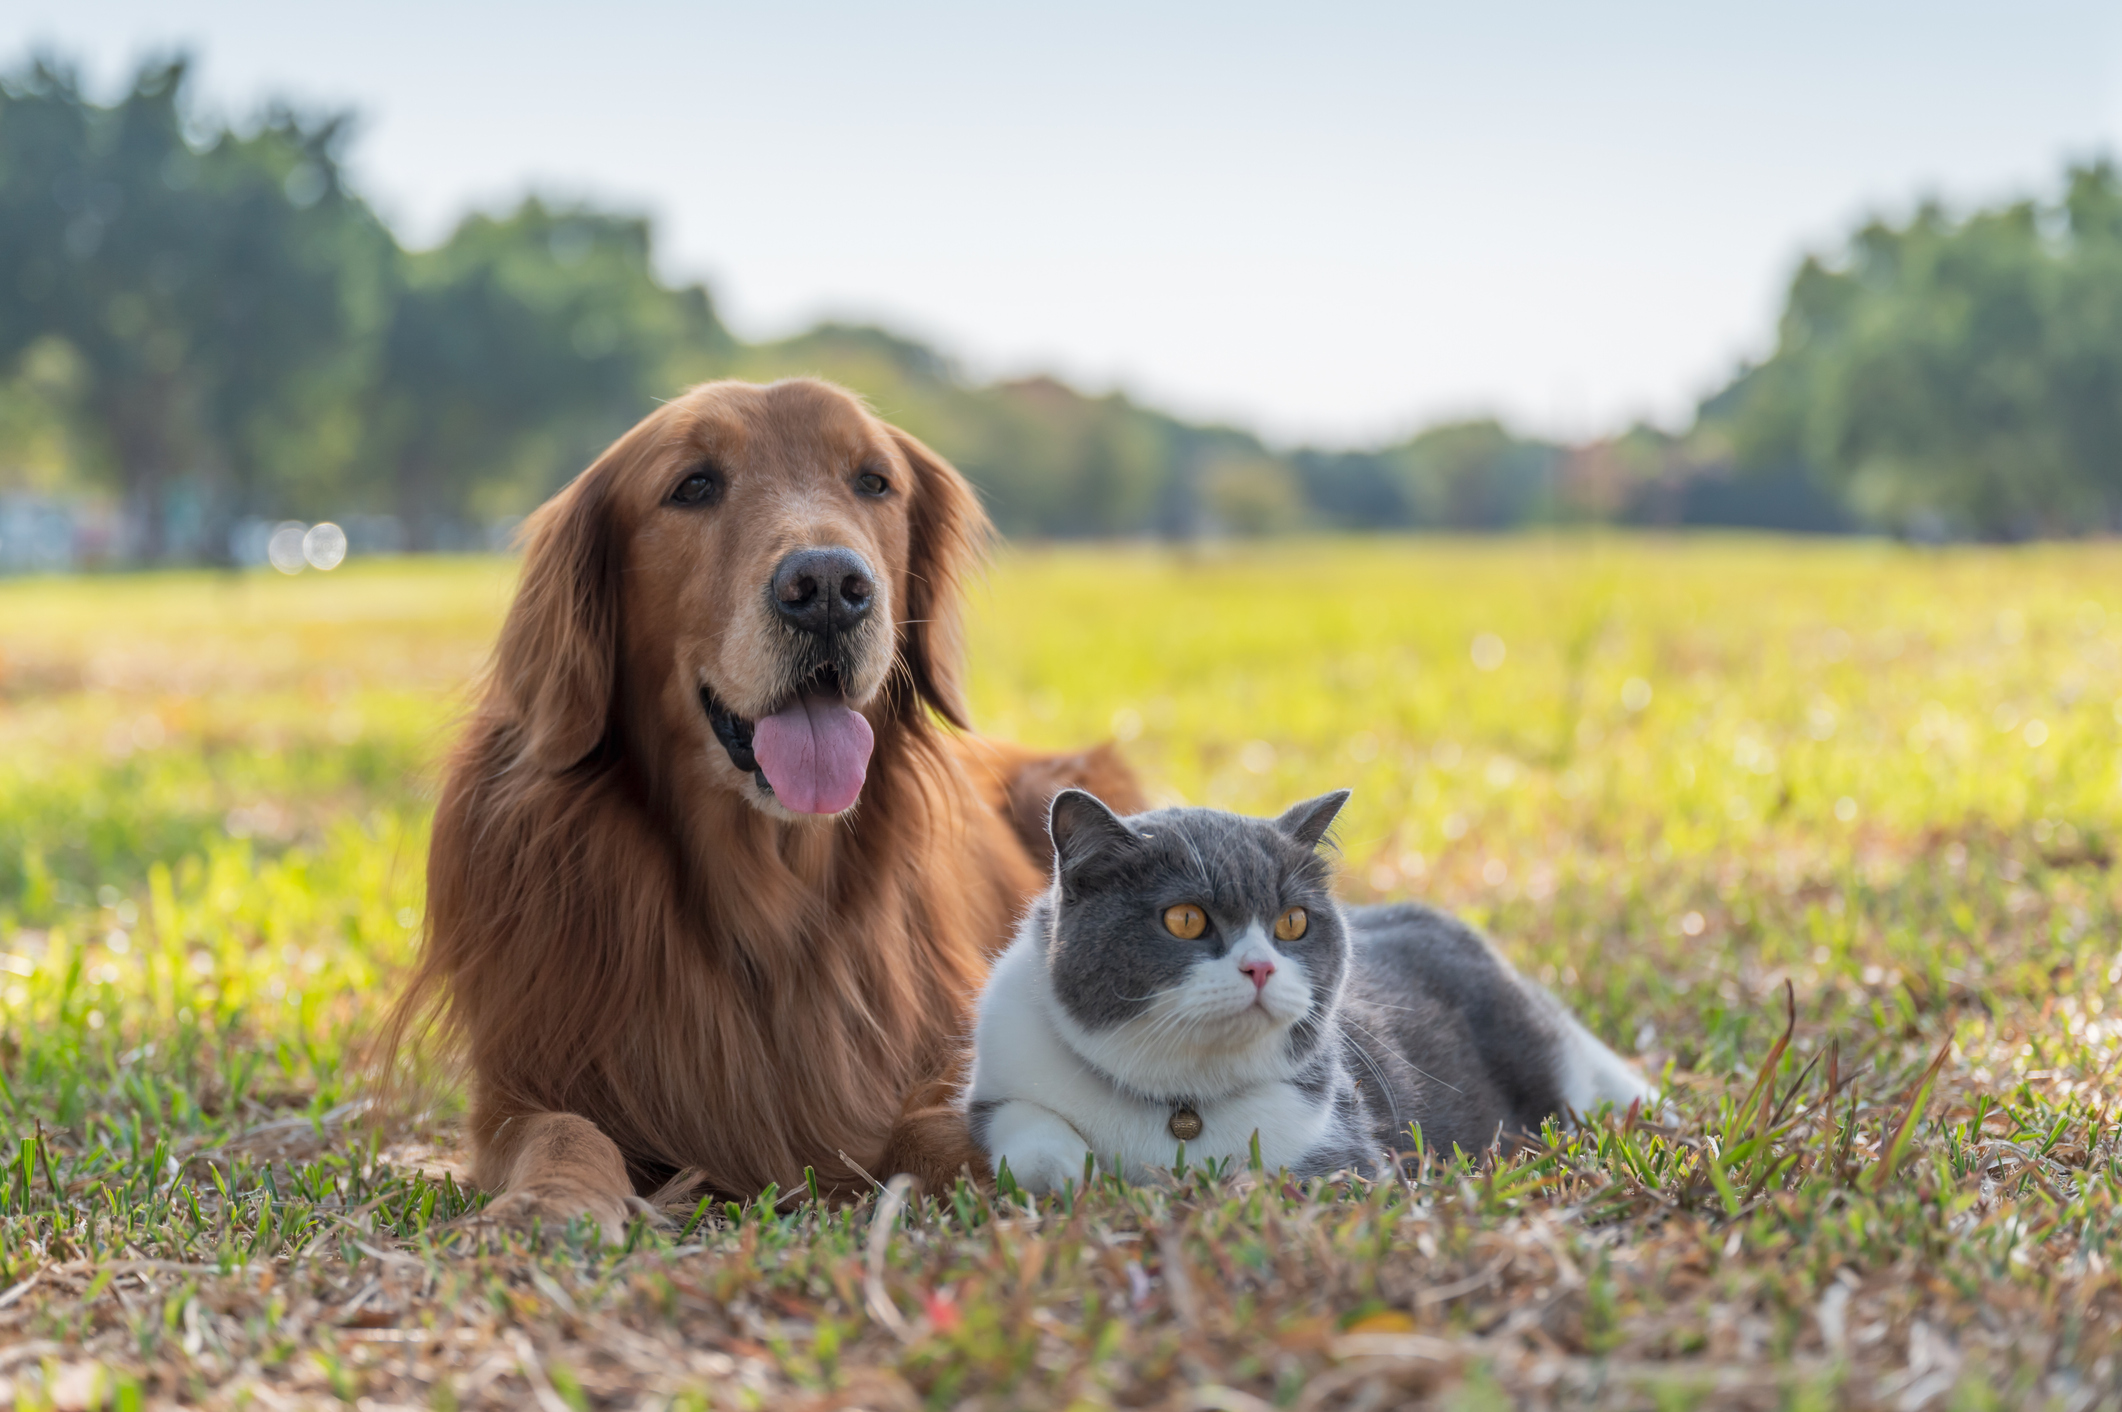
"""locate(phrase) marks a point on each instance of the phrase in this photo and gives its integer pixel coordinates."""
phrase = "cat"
(1189, 977)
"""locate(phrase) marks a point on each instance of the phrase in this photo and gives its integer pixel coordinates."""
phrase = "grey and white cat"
(1189, 976)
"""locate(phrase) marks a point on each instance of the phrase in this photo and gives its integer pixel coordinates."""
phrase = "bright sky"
(1332, 222)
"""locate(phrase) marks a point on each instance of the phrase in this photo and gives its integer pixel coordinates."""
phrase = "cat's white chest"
(1134, 1136)
(1290, 1123)
(1051, 1107)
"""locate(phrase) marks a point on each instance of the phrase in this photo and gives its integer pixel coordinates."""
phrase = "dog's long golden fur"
(651, 966)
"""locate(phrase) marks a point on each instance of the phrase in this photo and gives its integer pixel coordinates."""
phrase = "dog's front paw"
(551, 1207)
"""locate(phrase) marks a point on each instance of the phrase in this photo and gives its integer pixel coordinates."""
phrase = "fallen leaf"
(1385, 1321)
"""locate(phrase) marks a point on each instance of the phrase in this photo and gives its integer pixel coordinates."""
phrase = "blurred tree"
(2085, 343)
(1957, 376)
(1046, 458)
(1053, 461)
(1355, 489)
(514, 352)
(1251, 495)
(1476, 475)
(40, 450)
(217, 293)
(204, 318)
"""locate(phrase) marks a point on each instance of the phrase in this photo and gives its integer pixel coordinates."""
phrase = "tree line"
(205, 323)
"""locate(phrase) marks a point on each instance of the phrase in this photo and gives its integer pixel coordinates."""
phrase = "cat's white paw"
(1043, 1151)
(1046, 1168)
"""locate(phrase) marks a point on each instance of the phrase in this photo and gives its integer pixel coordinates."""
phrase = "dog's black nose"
(823, 590)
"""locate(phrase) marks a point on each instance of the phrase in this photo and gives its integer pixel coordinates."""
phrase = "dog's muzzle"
(735, 731)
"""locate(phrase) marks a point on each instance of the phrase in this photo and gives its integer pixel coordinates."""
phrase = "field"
(1687, 783)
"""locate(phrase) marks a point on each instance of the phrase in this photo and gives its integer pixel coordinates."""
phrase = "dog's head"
(765, 574)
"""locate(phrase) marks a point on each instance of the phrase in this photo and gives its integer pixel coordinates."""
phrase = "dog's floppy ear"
(949, 533)
(559, 651)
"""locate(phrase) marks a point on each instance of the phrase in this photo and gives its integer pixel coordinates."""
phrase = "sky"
(1332, 223)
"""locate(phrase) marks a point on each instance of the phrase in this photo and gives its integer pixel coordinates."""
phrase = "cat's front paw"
(1044, 1169)
(1044, 1153)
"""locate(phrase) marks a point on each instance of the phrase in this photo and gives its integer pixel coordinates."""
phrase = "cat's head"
(1194, 951)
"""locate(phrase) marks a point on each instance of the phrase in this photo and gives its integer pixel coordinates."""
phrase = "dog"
(714, 883)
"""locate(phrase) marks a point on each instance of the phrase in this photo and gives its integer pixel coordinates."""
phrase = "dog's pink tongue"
(815, 752)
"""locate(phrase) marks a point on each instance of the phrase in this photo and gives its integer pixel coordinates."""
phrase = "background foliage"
(205, 324)
(1964, 374)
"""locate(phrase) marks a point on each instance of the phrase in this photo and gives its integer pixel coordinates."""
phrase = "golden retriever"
(712, 889)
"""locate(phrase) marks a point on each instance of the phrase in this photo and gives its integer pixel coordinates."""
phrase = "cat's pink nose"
(1259, 971)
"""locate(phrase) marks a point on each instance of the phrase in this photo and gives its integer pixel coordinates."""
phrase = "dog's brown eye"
(700, 487)
(871, 483)
(1291, 924)
(1185, 921)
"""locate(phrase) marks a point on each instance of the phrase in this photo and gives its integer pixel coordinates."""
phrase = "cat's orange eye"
(1291, 924)
(1185, 921)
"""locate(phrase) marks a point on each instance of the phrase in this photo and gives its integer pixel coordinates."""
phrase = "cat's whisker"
(1384, 1085)
(1403, 1058)
(1172, 1025)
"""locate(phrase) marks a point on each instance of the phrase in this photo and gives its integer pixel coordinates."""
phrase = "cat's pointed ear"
(1308, 822)
(1085, 832)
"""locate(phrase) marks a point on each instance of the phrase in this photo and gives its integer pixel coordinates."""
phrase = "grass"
(1688, 783)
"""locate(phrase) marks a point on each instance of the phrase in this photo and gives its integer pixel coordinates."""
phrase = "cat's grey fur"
(1097, 1023)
